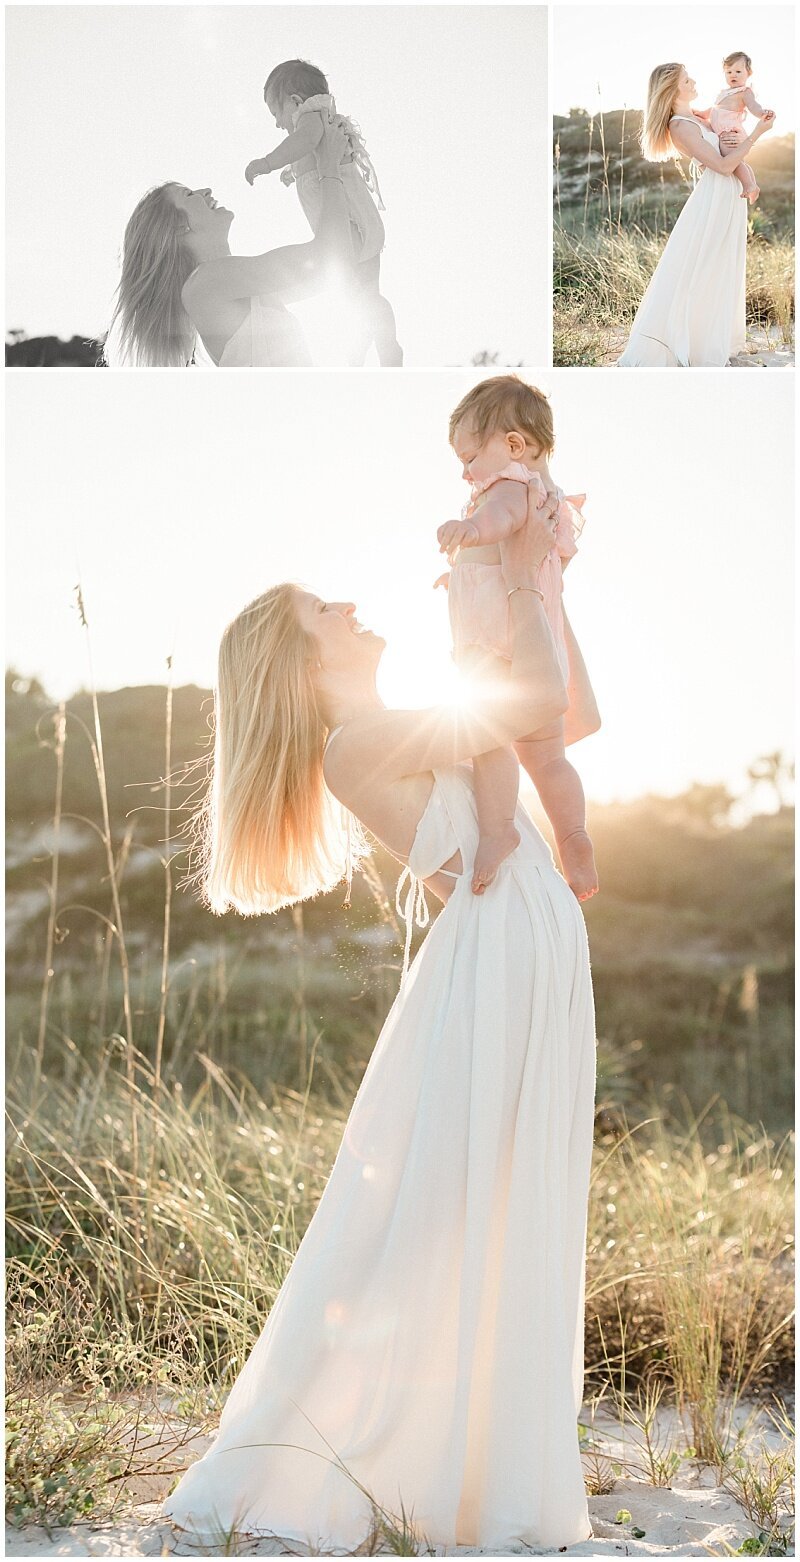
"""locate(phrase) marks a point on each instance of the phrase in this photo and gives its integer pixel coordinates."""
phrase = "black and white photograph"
(277, 186)
(400, 875)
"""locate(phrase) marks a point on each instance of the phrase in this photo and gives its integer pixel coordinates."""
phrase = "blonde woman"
(180, 284)
(426, 1347)
(693, 310)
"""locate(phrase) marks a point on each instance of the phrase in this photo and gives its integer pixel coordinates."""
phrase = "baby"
(502, 433)
(299, 100)
(730, 111)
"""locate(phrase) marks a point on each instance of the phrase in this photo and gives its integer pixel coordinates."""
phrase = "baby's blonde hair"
(502, 404)
(150, 328)
(270, 832)
(662, 90)
(738, 54)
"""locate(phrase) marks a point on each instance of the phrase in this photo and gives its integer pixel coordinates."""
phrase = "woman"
(693, 311)
(180, 283)
(426, 1347)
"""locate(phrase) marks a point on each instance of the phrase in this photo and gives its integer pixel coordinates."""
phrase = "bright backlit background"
(617, 46)
(176, 506)
(105, 101)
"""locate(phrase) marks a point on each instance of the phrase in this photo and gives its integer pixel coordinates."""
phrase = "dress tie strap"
(413, 909)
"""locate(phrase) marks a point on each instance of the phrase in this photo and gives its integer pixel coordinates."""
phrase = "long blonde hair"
(150, 328)
(270, 832)
(662, 90)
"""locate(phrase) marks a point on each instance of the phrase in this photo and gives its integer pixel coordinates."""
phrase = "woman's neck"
(682, 106)
(341, 705)
(211, 246)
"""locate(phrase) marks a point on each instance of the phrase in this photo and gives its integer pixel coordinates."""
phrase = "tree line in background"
(692, 935)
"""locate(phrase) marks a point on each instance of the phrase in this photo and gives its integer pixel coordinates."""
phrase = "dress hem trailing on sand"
(692, 314)
(426, 1348)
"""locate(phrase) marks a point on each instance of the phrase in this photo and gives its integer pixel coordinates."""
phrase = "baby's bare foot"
(492, 850)
(752, 195)
(577, 860)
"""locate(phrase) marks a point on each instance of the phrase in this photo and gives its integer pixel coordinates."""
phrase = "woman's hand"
(730, 138)
(523, 553)
(332, 150)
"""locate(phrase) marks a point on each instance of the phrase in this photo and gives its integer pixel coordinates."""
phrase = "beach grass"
(147, 1259)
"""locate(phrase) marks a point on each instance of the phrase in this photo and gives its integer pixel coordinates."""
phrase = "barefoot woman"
(693, 311)
(180, 282)
(426, 1347)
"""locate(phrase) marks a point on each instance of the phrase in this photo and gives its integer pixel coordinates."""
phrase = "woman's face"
(342, 642)
(203, 214)
(687, 88)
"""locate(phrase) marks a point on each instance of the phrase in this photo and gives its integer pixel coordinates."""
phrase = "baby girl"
(502, 433)
(300, 102)
(730, 111)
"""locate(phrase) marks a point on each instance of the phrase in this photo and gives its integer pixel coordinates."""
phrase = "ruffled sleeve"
(324, 103)
(321, 103)
(514, 472)
(570, 524)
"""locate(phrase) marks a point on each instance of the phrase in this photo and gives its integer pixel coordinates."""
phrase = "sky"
(615, 47)
(175, 506)
(104, 101)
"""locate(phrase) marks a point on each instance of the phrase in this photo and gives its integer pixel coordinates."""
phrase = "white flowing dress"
(693, 310)
(269, 337)
(427, 1343)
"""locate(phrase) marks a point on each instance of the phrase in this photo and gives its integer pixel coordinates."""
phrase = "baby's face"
(479, 461)
(282, 108)
(737, 74)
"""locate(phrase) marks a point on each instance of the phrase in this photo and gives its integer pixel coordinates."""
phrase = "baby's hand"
(457, 534)
(259, 165)
(287, 177)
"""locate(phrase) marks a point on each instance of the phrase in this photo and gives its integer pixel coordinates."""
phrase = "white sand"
(693, 1518)
(764, 349)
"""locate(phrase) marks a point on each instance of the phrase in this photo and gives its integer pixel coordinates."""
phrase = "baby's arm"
(702, 113)
(750, 103)
(301, 143)
(501, 513)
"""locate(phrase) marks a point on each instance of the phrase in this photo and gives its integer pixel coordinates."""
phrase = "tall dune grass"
(165, 1279)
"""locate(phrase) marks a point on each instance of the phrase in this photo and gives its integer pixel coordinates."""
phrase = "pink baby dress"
(361, 188)
(728, 118)
(477, 594)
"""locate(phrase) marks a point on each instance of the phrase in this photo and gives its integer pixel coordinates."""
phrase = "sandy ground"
(764, 350)
(694, 1517)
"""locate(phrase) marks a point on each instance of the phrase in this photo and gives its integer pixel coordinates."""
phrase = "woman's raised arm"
(690, 140)
(385, 745)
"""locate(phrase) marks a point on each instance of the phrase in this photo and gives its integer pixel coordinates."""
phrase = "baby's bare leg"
(377, 318)
(748, 181)
(496, 782)
(560, 789)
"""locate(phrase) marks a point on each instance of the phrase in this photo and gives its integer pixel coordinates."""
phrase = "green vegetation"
(613, 213)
